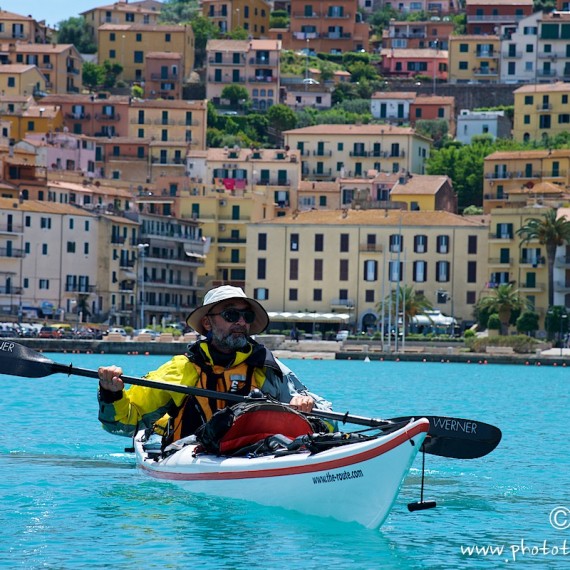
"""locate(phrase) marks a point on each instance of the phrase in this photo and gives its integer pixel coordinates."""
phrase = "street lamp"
(142, 247)
(562, 317)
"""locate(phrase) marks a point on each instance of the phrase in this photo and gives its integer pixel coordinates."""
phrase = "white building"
(474, 123)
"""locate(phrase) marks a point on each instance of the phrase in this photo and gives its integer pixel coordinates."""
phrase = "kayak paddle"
(447, 437)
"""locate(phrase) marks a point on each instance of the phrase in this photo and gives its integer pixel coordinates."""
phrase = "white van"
(342, 335)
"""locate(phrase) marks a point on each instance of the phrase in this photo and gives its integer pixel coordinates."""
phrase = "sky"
(52, 11)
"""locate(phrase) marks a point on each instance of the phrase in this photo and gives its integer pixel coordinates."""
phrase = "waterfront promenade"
(315, 350)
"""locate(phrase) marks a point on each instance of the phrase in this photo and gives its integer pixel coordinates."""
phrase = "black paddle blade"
(459, 438)
(18, 360)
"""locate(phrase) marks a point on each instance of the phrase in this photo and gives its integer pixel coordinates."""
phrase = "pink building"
(411, 62)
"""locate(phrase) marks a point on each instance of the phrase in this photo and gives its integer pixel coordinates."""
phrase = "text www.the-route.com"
(340, 476)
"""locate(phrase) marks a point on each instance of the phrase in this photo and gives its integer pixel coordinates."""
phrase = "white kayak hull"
(353, 483)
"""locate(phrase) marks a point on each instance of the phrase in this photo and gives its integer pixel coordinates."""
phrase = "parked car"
(117, 330)
(28, 330)
(342, 335)
(153, 334)
(7, 330)
(49, 332)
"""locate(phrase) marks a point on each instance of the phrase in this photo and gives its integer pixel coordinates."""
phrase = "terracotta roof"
(394, 95)
(560, 86)
(352, 130)
(529, 154)
(42, 207)
(420, 185)
(425, 53)
(5, 15)
(16, 68)
(83, 98)
(379, 217)
(434, 100)
(242, 45)
(556, 16)
(499, 2)
(90, 188)
(142, 28)
(40, 48)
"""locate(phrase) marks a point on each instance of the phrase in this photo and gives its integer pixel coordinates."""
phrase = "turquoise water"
(71, 497)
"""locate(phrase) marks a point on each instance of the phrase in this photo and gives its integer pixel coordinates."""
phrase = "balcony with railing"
(11, 228)
(12, 252)
(264, 61)
(344, 304)
(78, 116)
(80, 288)
(107, 117)
(487, 54)
(262, 79)
(226, 79)
(322, 152)
(485, 71)
(371, 247)
(500, 261)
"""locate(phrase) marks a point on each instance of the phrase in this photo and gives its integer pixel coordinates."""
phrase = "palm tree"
(504, 300)
(551, 232)
(410, 303)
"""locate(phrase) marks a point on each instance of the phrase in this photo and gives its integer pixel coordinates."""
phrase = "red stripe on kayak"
(421, 427)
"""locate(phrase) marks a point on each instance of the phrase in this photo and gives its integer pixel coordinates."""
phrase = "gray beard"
(230, 342)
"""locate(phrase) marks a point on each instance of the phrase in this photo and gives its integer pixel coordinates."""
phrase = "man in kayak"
(227, 360)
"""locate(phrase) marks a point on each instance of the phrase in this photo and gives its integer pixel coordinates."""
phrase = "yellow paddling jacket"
(123, 413)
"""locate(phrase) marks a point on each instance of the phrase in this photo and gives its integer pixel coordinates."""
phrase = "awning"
(309, 317)
(433, 318)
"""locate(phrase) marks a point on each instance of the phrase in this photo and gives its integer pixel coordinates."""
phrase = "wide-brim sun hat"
(224, 293)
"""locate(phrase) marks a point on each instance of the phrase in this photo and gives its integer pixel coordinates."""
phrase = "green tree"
(528, 322)
(93, 75)
(238, 34)
(281, 118)
(360, 70)
(437, 130)
(503, 300)
(556, 322)
(178, 11)
(235, 93)
(76, 31)
(204, 29)
(550, 231)
(112, 71)
(409, 302)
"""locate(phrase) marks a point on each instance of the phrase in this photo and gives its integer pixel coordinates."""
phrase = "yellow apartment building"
(21, 28)
(347, 261)
(60, 64)
(541, 111)
(35, 119)
(330, 151)
(174, 127)
(523, 266)
(21, 79)
(474, 58)
(122, 12)
(516, 178)
(128, 44)
(254, 64)
(229, 15)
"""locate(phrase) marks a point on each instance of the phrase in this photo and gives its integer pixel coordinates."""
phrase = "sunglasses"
(233, 315)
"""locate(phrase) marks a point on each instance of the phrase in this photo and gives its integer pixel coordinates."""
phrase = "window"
(463, 48)
(317, 294)
(319, 242)
(370, 270)
(138, 57)
(420, 244)
(395, 271)
(86, 248)
(442, 244)
(45, 223)
(318, 270)
(294, 242)
(261, 294)
(293, 269)
(343, 270)
(70, 247)
(442, 271)
(344, 242)
(44, 283)
(528, 99)
(261, 242)
(138, 38)
(293, 294)
(420, 271)
(261, 268)
(369, 296)
(396, 243)
(471, 272)
(472, 244)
